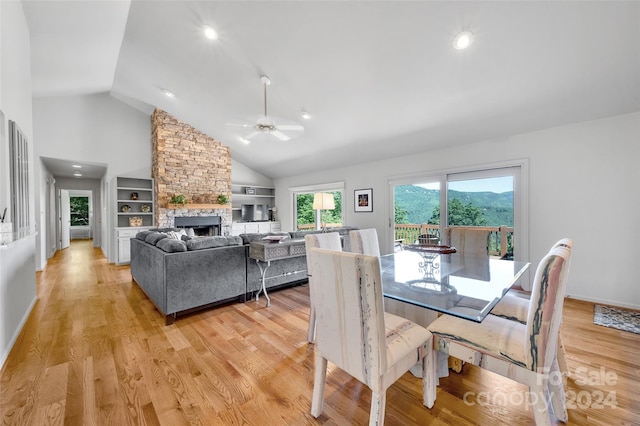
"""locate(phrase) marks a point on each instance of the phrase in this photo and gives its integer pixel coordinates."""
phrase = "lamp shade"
(323, 201)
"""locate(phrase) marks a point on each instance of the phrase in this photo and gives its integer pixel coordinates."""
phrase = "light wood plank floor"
(96, 352)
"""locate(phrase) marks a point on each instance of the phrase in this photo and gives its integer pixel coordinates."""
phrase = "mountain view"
(419, 204)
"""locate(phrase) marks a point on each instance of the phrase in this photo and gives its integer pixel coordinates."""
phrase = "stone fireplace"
(188, 162)
(201, 225)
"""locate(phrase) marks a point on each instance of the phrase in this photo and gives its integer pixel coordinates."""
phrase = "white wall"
(99, 129)
(17, 263)
(584, 183)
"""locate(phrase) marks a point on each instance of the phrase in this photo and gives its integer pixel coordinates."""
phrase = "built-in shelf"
(191, 206)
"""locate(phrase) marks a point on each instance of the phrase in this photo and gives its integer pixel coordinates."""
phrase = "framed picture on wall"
(363, 200)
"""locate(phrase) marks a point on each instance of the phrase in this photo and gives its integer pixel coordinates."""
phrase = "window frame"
(521, 195)
(311, 189)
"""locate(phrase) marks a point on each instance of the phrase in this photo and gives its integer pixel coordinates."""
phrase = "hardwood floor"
(96, 352)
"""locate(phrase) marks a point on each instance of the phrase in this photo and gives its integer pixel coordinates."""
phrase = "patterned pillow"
(176, 235)
(171, 246)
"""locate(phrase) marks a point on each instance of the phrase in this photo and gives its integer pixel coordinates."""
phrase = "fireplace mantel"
(197, 206)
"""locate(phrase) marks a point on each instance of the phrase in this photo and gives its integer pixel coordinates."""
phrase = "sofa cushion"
(154, 237)
(171, 245)
(209, 242)
(143, 234)
(234, 240)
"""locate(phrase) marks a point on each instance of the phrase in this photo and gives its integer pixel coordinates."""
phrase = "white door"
(65, 219)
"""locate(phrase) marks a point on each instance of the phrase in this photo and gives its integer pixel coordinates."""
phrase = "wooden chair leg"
(429, 376)
(319, 382)
(539, 405)
(311, 334)
(556, 391)
(378, 402)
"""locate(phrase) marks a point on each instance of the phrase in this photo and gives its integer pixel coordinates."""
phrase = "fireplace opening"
(201, 225)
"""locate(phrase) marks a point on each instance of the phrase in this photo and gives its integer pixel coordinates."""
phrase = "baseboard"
(612, 303)
(16, 334)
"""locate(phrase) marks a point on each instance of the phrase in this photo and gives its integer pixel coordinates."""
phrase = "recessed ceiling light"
(305, 114)
(168, 93)
(210, 33)
(245, 141)
(463, 40)
(77, 174)
(76, 166)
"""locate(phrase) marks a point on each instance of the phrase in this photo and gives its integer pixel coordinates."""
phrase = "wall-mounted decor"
(363, 200)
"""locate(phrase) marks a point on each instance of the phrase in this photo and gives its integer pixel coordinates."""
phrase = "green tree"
(460, 214)
(400, 215)
(79, 207)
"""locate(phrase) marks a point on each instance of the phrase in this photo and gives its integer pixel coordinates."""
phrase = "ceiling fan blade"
(246, 125)
(297, 127)
(278, 134)
(253, 135)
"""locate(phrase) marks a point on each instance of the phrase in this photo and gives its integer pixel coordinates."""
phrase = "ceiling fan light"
(463, 40)
(210, 33)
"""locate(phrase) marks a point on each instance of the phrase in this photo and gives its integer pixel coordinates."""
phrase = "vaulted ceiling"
(380, 78)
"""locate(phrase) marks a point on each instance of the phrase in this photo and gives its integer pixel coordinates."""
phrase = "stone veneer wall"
(186, 161)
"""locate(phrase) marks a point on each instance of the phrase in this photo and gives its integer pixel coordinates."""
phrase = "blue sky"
(497, 185)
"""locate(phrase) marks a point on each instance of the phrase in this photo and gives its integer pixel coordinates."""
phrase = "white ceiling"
(380, 77)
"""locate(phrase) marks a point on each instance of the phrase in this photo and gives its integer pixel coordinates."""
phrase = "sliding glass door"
(490, 198)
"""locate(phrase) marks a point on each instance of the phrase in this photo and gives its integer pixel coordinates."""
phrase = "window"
(79, 211)
(306, 217)
(490, 198)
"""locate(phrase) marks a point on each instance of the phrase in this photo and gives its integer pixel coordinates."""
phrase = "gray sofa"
(180, 276)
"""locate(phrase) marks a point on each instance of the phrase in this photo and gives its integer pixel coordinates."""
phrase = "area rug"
(620, 319)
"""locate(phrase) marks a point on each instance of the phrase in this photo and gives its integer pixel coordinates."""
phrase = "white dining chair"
(365, 241)
(515, 306)
(467, 240)
(523, 352)
(354, 333)
(326, 240)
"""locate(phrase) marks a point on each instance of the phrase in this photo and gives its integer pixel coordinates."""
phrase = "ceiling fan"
(267, 126)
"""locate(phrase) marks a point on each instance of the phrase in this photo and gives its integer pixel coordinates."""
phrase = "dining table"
(465, 286)
(420, 283)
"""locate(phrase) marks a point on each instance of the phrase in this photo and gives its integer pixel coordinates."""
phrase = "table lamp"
(323, 201)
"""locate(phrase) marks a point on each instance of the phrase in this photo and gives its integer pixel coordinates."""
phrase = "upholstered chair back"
(545, 307)
(365, 241)
(350, 316)
(468, 240)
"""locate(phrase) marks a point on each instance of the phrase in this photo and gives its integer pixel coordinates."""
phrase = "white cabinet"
(124, 246)
(238, 228)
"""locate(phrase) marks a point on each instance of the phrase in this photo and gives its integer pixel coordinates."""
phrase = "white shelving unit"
(251, 194)
(129, 206)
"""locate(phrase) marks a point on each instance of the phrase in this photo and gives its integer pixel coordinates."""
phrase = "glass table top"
(464, 286)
